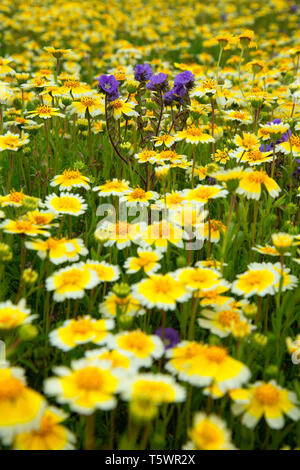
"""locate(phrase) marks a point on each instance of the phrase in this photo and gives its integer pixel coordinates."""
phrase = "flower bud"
(121, 289)
(29, 276)
(5, 252)
(27, 332)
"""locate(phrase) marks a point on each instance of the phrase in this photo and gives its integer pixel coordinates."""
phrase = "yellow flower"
(87, 386)
(266, 250)
(194, 135)
(121, 107)
(21, 408)
(45, 112)
(59, 250)
(70, 179)
(164, 139)
(80, 331)
(208, 432)
(23, 226)
(71, 282)
(73, 87)
(14, 198)
(89, 102)
(66, 204)
(14, 315)
(206, 87)
(291, 146)
(138, 197)
(268, 400)
(199, 278)
(50, 435)
(5, 69)
(239, 116)
(220, 320)
(253, 157)
(114, 305)
(203, 365)
(160, 233)
(106, 272)
(145, 155)
(214, 296)
(120, 233)
(57, 53)
(251, 183)
(146, 259)
(203, 193)
(157, 388)
(260, 279)
(247, 141)
(113, 188)
(117, 359)
(221, 156)
(161, 291)
(138, 345)
(282, 241)
(12, 142)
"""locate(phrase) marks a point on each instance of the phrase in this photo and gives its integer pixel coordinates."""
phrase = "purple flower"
(108, 84)
(171, 337)
(185, 78)
(143, 72)
(169, 97)
(157, 82)
(179, 90)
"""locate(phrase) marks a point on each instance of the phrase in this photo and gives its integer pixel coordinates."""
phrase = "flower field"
(149, 225)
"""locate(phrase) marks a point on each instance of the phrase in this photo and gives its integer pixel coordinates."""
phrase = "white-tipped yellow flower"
(139, 346)
(14, 315)
(66, 204)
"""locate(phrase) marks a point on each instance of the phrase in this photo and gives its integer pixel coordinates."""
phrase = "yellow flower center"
(16, 196)
(216, 354)
(209, 84)
(71, 278)
(10, 388)
(295, 140)
(11, 141)
(194, 132)
(89, 379)
(267, 394)
(116, 104)
(227, 317)
(44, 109)
(168, 155)
(238, 115)
(257, 177)
(206, 436)
(87, 101)
(71, 174)
(136, 341)
(255, 155)
(122, 229)
(67, 203)
(72, 83)
(138, 193)
(23, 225)
(81, 326)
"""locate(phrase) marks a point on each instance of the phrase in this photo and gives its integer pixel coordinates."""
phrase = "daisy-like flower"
(273, 130)
(114, 305)
(247, 141)
(260, 279)
(173, 200)
(268, 400)
(118, 360)
(14, 315)
(121, 107)
(251, 183)
(57, 53)
(206, 87)
(5, 69)
(283, 242)
(145, 155)
(138, 345)
(212, 230)
(50, 435)
(23, 226)
(138, 197)
(214, 297)
(157, 388)
(81, 331)
(203, 365)
(289, 282)
(90, 102)
(13, 142)
(21, 408)
(221, 156)
(70, 179)
(59, 250)
(120, 234)
(220, 320)
(209, 432)
(291, 146)
(86, 387)
(113, 188)
(161, 291)
(106, 272)
(66, 203)
(194, 135)
(252, 157)
(71, 282)
(43, 219)
(203, 193)
(160, 233)
(146, 260)
(45, 112)
(200, 279)
(73, 87)
(239, 116)
(14, 198)
(165, 139)
(266, 250)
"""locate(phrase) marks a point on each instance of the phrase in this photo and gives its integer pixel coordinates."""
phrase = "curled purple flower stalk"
(171, 337)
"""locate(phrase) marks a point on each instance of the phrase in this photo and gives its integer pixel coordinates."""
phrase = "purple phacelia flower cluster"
(143, 72)
(284, 138)
(109, 85)
(158, 82)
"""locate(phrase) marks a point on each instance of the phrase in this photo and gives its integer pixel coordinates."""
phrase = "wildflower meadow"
(149, 225)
